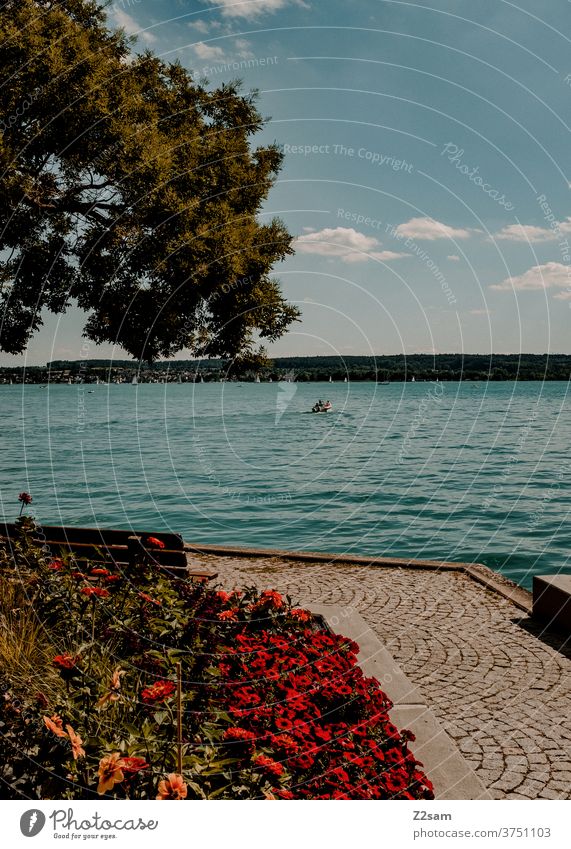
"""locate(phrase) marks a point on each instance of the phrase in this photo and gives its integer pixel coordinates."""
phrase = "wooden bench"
(552, 601)
(117, 547)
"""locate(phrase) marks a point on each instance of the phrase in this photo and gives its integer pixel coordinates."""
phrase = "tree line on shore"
(397, 368)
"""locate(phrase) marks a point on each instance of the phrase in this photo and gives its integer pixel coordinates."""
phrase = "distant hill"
(397, 367)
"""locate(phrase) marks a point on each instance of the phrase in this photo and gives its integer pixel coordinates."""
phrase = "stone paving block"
(448, 768)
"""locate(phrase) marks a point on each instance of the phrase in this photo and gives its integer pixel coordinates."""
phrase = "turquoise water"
(473, 471)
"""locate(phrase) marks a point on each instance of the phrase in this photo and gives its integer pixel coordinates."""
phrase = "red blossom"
(228, 615)
(134, 765)
(65, 661)
(235, 734)
(158, 692)
(149, 599)
(91, 592)
(153, 542)
(301, 615)
(268, 766)
(25, 498)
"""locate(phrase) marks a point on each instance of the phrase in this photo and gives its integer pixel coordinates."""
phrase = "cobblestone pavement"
(500, 689)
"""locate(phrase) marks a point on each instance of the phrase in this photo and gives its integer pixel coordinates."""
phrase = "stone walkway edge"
(494, 582)
(451, 775)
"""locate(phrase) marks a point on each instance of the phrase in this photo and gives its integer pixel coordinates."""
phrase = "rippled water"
(473, 471)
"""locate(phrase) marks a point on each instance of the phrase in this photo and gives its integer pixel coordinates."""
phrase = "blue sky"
(426, 173)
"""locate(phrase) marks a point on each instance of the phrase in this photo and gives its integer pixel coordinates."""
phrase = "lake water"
(458, 471)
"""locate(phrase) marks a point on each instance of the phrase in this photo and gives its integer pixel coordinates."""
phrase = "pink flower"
(173, 787)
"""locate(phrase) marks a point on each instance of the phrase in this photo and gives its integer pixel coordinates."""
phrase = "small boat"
(322, 407)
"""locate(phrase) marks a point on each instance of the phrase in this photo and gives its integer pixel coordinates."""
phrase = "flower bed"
(163, 688)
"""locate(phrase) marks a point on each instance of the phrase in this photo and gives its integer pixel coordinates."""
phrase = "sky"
(426, 174)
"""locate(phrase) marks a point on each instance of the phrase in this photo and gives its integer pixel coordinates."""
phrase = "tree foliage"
(131, 190)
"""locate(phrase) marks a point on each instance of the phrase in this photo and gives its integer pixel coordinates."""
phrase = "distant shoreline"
(395, 368)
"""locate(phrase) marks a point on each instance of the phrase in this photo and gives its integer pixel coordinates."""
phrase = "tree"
(131, 190)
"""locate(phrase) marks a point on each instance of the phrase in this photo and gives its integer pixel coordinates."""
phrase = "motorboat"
(322, 407)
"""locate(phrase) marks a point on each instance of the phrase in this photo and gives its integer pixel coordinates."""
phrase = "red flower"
(55, 724)
(268, 766)
(112, 578)
(155, 543)
(284, 794)
(65, 662)
(227, 615)
(95, 591)
(236, 734)
(56, 565)
(271, 598)
(25, 498)
(149, 599)
(301, 615)
(134, 765)
(158, 692)
(100, 572)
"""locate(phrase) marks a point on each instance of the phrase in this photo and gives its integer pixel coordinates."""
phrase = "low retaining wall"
(451, 775)
(521, 598)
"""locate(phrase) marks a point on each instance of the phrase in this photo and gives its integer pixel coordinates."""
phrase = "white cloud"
(429, 228)
(552, 275)
(242, 48)
(200, 26)
(531, 233)
(208, 51)
(130, 25)
(252, 8)
(453, 258)
(345, 243)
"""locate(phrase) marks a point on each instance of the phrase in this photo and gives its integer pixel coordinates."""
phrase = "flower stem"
(179, 716)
